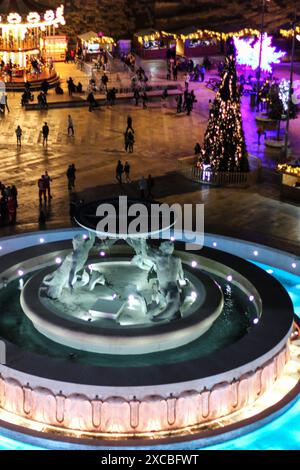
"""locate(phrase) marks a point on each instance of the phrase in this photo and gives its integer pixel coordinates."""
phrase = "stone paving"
(162, 136)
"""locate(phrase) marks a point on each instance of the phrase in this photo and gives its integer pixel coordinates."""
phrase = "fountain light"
(131, 300)
(42, 240)
(229, 278)
(102, 253)
(270, 271)
(0, 247)
(294, 265)
(20, 272)
(251, 298)
(194, 264)
(172, 239)
(215, 244)
(194, 295)
(255, 252)
(57, 260)
(255, 321)
(84, 236)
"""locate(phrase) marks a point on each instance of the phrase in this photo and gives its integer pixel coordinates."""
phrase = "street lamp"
(260, 50)
(286, 139)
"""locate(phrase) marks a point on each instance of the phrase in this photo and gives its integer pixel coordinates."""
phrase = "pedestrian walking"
(19, 135)
(119, 171)
(179, 103)
(6, 103)
(129, 124)
(144, 99)
(136, 96)
(45, 132)
(127, 172)
(42, 189)
(70, 125)
(48, 180)
(71, 175)
(129, 141)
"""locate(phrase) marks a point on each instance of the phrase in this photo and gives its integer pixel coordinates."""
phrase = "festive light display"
(288, 33)
(289, 169)
(224, 140)
(199, 34)
(33, 19)
(284, 90)
(248, 52)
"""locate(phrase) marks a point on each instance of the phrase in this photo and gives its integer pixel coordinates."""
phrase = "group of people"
(44, 185)
(137, 95)
(45, 131)
(8, 204)
(185, 101)
(129, 60)
(145, 186)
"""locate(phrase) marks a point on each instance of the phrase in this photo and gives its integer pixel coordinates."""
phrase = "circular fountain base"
(74, 321)
(117, 401)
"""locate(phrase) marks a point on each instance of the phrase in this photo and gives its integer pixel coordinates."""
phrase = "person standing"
(136, 96)
(19, 135)
(42, 189)
(6, 103)
(70, 125)
(45, 132)
(71, 175)
(47, 180)
(127, 172)
(71, 86)
(119, 171)
(129, 124)
(145, 99)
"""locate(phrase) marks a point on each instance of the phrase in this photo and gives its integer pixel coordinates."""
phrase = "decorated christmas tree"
(224, 141)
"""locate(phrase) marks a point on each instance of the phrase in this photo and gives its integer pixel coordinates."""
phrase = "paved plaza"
(162, 136)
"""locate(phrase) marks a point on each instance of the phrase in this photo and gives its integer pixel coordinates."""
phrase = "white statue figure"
(169, 272)
(66, 274)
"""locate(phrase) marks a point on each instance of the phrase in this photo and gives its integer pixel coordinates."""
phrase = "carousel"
(26, 30)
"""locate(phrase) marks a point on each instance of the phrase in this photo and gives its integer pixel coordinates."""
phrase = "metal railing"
(187, 167)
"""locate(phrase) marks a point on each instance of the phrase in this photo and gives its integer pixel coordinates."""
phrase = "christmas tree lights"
(224, 141)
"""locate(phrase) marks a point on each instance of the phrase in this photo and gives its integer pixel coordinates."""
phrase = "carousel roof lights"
(33, 19)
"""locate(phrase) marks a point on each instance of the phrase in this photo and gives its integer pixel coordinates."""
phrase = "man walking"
(19, 136)
(45, 132)
(71, 175)
(70, 125)
(119, 171)
(127, 172)
(42, 189)
(47, 181)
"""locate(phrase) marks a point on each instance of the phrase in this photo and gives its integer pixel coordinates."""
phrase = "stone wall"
(151, 413)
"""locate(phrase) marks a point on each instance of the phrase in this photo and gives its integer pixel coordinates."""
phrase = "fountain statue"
(164, 275)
